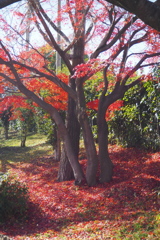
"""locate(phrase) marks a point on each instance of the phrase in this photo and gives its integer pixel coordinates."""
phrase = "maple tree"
(115, 34)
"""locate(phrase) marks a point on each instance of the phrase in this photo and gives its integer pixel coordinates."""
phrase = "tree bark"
(65, 172)
(106, 165)
(92, 158)
(57, 147)
(69, 150)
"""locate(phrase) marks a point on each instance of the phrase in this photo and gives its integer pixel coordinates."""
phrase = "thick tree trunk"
(65, 171)
(92, 158)
(106, 165)
(73, 159)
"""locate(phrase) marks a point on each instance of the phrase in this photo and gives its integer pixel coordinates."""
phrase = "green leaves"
(13, 201)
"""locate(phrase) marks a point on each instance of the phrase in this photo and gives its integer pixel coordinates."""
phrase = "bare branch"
(147, 11)
(5, 3)
(52, 39)
(103, 46)
(52, 23)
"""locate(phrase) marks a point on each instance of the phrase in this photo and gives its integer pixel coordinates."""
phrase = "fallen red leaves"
(56, 205)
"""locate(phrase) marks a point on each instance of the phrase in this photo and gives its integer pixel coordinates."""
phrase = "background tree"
(5, 117)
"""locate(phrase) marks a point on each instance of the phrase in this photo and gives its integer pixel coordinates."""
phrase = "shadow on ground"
(54, 205)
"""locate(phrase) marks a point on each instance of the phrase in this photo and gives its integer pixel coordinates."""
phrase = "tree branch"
(5, 3)
(147, 11)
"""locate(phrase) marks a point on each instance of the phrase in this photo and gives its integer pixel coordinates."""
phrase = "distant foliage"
(13, 200)
(137, 124)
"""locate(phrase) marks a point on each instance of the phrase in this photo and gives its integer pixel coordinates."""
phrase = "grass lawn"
(10, 150)
(126, 208)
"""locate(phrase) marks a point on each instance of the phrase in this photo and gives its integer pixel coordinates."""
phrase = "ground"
(126, 208)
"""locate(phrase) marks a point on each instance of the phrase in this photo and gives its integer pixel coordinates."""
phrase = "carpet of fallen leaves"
(61, 210)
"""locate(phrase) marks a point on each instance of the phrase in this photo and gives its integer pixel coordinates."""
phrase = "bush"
(137, 123)
(13, 201)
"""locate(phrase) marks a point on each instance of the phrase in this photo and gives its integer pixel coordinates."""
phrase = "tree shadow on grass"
(19, 154)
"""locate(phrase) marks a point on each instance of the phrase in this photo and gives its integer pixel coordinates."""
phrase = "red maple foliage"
(111, 109)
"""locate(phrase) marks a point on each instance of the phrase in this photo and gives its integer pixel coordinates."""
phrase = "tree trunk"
(73, 127)
(106, 165)
(24, 130)
(57, 147)
(6, 128)
(92, 158)
(23, 140)
(70, 153)
(65, 171)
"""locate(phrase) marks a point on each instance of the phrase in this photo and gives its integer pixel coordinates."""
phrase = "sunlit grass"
(147, 226)
(36, 146)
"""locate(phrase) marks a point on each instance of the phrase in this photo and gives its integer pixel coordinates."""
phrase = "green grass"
(36, 146)
(147, 226)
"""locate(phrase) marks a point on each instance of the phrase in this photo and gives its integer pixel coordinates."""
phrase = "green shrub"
(137, 123)
(13, 201)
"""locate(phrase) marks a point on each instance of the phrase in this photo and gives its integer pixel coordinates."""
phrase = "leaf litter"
(61, 210)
